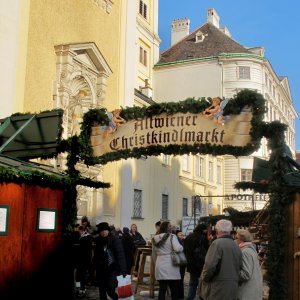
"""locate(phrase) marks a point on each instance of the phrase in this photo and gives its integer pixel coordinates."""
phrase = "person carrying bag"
(109, 261)
(178, 258)
(166, 273)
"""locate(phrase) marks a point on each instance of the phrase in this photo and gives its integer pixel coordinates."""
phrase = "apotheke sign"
(246, 197)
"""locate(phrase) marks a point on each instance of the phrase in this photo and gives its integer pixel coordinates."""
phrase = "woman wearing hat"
(109, 261)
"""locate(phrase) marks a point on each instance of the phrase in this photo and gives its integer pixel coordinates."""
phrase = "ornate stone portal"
(80, 84)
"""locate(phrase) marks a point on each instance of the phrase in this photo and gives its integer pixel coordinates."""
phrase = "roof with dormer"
(215, 42)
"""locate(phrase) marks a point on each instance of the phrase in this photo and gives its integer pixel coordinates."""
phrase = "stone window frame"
(143, 9)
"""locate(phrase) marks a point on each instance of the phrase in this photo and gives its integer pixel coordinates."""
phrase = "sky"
(274, 25)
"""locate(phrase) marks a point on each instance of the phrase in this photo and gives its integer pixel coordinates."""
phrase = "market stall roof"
(18, 171)
(262, 171)
(24, 166)
(28, 136)
(239, 218)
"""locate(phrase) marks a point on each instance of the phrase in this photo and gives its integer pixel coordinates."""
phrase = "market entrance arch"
(200, 127)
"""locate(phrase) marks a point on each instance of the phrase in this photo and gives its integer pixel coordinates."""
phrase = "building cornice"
(142, 26)
(215, 57)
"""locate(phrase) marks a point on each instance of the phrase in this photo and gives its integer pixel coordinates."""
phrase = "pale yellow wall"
(55, 22)
(13, 51)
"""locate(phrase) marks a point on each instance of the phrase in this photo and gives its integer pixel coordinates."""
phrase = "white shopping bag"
(125, 287)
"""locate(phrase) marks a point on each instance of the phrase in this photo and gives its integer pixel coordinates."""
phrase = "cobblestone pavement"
(92, 292)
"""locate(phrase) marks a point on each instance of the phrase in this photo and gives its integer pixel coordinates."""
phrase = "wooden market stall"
(37, 208)
(30, 230)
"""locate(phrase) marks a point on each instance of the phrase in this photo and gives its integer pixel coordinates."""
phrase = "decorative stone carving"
(81, 69)
(91, 172)
(105, 5)
(80, 84)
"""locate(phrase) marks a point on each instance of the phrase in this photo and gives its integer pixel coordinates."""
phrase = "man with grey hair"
(223, 261)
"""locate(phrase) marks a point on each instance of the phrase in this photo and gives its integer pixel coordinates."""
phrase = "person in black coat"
(137, 237)
(129, 248)
(84, 259)
(109, 261)
(195, 248)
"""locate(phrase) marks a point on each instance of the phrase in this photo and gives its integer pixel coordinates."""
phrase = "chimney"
(226, 31)
(180, 29)
(213, 18)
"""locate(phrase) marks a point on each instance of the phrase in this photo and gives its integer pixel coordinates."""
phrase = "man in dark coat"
(109, 261)
(84, 259)
(195, 248)
(220, 275)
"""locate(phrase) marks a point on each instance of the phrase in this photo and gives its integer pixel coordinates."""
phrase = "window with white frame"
(246, 174)
(185, 159)
(184, 207)
(244, 72)
(199, 166)
(137, 204)
(219, 174)
(210, 171)
(165, 207)
(143, 56)
(143, 9)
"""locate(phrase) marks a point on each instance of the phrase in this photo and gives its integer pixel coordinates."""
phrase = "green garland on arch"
(98, 117)
(281, 195)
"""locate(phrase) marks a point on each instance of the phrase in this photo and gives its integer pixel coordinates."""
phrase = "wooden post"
(293, 253)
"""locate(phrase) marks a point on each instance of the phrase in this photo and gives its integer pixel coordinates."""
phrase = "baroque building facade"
(62, 55)
(78, 55)
(209, 63)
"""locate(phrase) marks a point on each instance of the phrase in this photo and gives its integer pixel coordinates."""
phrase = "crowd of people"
(221, 265)
(101, 254)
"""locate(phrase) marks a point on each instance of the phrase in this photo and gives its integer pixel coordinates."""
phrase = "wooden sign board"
(179, 129)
